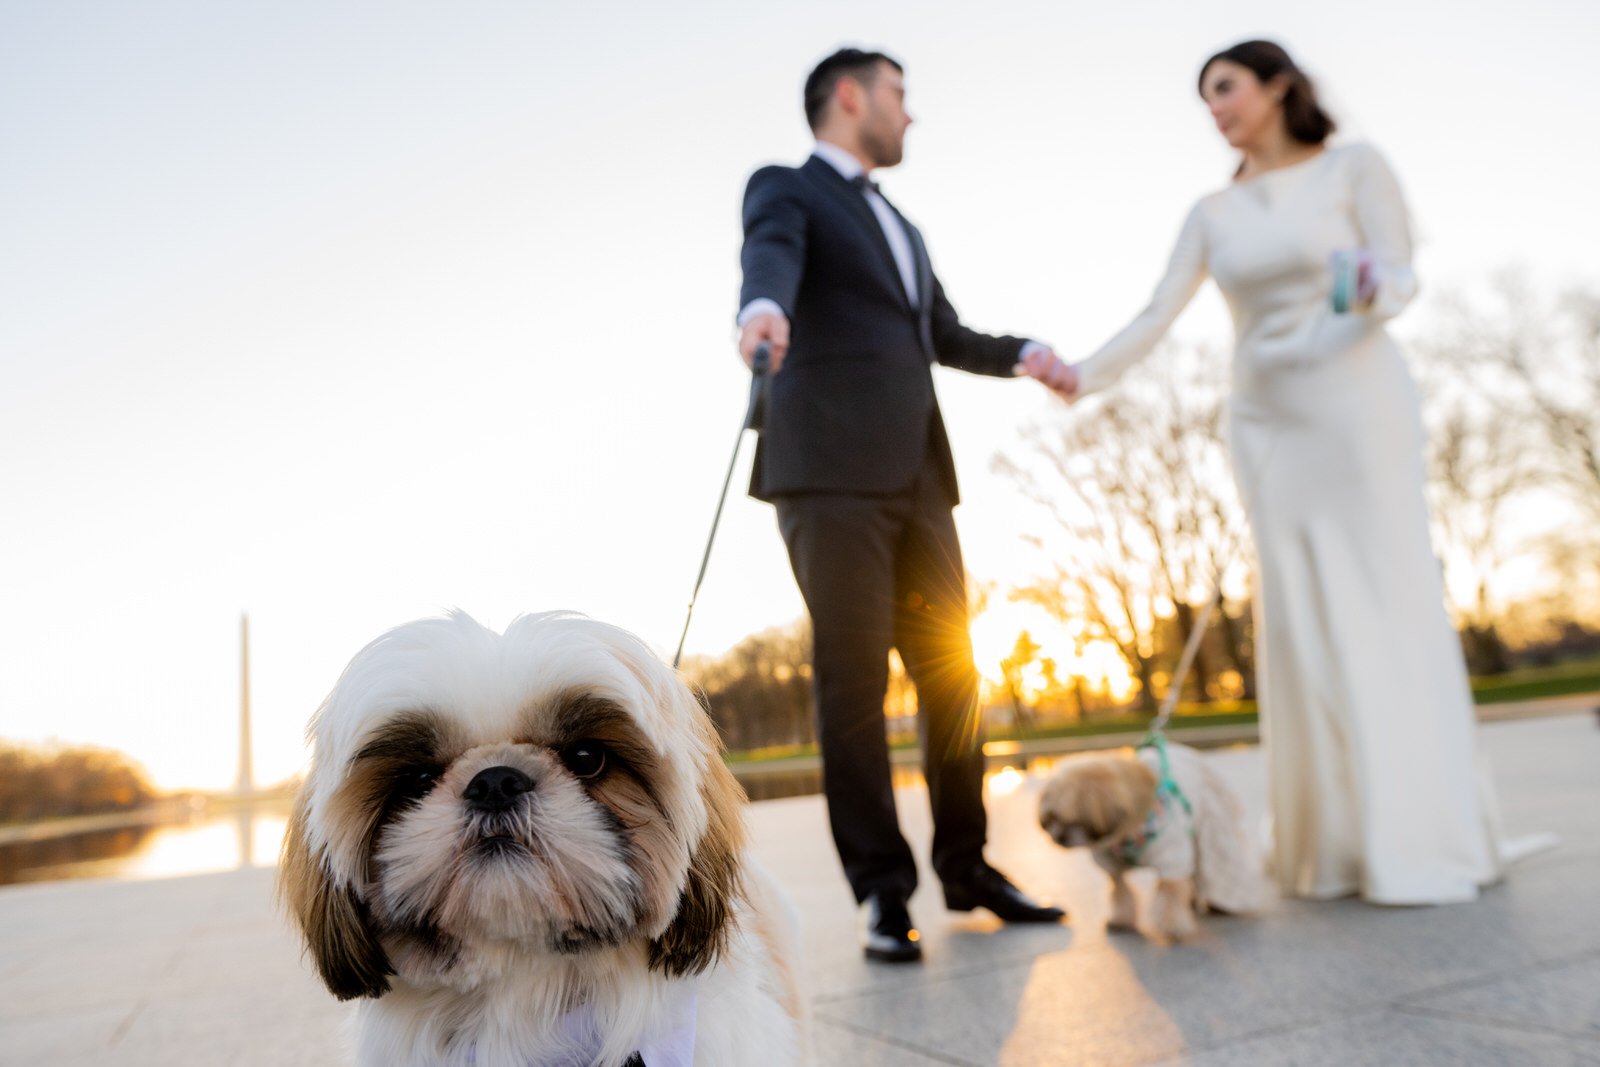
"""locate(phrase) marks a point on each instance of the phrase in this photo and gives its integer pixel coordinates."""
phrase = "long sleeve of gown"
(1385, 226)
(1186, 270)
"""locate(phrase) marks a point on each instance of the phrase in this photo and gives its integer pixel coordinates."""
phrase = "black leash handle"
(754, 416)
(760, 385)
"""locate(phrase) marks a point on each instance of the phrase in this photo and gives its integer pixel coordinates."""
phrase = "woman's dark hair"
(845, 63)
(1302, 114)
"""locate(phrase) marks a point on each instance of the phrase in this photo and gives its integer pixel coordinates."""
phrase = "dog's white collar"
(670, 1045)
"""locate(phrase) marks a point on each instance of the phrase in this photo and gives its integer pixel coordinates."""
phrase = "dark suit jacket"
(853, 409)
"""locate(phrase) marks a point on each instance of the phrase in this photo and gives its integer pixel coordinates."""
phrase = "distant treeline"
(43, 783)
(759, 692)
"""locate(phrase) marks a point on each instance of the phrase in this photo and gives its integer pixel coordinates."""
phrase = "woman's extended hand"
(1044, 366)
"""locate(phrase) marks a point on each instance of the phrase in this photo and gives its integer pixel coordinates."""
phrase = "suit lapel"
(856, 204)
(922, 266)
(924, 270)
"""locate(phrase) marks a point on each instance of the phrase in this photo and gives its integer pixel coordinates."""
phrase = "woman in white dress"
(1366, 713)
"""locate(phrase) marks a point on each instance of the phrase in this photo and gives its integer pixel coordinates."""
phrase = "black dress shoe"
(988, 888)
(890, 936)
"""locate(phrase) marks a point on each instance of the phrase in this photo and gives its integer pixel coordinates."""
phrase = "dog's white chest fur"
(510, 1027)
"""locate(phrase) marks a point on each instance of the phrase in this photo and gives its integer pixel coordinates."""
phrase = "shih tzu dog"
(525, 849)
(1172, 813)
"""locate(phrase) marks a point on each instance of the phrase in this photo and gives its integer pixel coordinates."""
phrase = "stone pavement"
(201, 971)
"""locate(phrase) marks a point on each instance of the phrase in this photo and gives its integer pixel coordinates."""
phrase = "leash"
(754, 415)
(1191, 647)
(1247, 495)
(1348, 274)
(1167, 788)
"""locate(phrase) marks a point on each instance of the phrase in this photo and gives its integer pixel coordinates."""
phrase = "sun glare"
(1104, 669)
(1005, 781)
(994, 636)
(1055, 655)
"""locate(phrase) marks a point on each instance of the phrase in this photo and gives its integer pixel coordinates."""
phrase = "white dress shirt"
(894, 229)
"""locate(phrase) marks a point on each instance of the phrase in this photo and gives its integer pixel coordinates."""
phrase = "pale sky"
(343, 314)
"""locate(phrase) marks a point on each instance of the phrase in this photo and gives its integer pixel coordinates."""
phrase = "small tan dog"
(1167, 811)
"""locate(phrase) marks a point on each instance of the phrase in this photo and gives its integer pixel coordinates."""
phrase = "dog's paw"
(1172, 911)
(1180, 927)
(1124, 906)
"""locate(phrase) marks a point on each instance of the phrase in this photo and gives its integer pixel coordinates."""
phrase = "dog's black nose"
(497, 788)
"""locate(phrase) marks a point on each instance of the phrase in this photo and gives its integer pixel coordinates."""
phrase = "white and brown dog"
(1173, 814)
(525, 848)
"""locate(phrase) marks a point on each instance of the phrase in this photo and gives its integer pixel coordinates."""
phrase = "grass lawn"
(1187, 716)
(1531, 683)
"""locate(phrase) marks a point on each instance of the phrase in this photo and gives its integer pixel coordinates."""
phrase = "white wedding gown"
(1375, 783)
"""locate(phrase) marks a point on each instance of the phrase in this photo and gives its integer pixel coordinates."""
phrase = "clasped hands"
(1041, 363)
(1038, 361)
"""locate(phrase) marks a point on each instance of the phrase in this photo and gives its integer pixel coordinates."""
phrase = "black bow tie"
(865, 184)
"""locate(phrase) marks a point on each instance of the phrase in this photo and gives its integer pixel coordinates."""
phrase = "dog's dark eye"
(414, 783)
(586, 759)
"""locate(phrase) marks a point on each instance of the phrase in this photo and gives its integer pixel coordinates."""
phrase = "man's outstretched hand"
(1044, 366)
(770, 328)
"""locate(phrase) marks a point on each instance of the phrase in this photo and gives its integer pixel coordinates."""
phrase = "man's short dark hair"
(845, 63)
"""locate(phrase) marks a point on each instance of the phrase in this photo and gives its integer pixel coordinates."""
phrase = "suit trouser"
(878, 572)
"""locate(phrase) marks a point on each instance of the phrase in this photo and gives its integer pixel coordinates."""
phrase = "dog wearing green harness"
(1162, 807)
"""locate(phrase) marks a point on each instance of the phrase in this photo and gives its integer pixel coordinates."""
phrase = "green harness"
(1131, 851)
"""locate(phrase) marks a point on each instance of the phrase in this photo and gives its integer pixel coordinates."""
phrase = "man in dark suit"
(853, 454)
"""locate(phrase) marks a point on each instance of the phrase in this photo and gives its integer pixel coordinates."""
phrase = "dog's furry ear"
(1107, 796)
(332, 919)
(1118, 793)
(699, 932)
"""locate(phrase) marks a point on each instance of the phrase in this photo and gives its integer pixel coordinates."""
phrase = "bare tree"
(1560, 379)
(1023, 652)
(1511, 387)
(759, 692)
(1477, 468)
(1148, 522)
(1535, 360)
